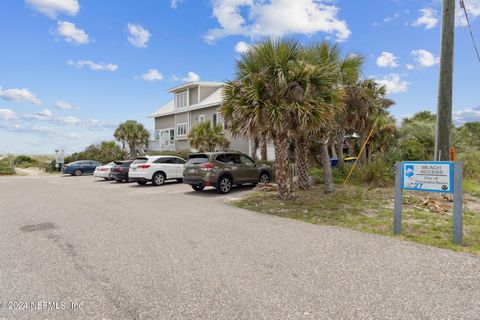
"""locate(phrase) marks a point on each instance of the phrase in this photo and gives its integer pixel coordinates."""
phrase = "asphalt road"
(103, 250)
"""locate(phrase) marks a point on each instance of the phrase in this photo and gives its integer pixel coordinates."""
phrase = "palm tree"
(133, 134)
(204, 137)
(363, 99)
(261, 96)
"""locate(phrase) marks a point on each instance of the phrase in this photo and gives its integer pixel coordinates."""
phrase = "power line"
(462, 5)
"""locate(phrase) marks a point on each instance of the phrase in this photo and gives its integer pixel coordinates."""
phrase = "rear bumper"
(135, 179)
(198, 181)
(102, 174)
(118, 176)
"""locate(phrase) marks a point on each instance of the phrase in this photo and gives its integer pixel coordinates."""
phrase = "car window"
(197, 159)
(221, 158)
(164, 160)
(246, 160)
(140, 160)
(232, 158)
(127, 163)
(178, 161)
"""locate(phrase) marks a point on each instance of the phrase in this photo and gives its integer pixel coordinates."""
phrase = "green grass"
(371, 210)
(472, 187)
(6, 167)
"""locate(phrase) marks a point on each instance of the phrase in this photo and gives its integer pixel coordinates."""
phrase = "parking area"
(110, 250)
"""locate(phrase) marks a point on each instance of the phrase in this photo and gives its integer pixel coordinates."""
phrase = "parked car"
(222, 170)
(104, 171)
(156, 169)
(119, 171)
(78, 168)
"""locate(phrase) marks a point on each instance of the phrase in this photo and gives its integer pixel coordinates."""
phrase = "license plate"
(191, 170)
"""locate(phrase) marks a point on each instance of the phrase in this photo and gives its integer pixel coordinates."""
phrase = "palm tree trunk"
(361, 141)
(340, 155)
(283, 175)
(263, 148)
(327, 168)
(301, 160)
(253, 152)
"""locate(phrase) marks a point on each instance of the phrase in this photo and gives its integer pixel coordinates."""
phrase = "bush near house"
(104, 152)
(6, 166)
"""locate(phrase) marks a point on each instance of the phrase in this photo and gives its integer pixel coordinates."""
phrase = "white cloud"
(387, 60)
(473, 10)
(152, 75)
(67, 120)
(428, 18)
(393, 17)
(52, 8)
(242, 47)
(467, 115)
(7, 114)
(425, 58)
(71, 33)
(138, 36)
(174, 3)
(191, 76)
(19, 95)
(276, 18)
(393, 83)
(45, 113)
(98, 125)
(63, 105)
(92, 65)
(410, 66)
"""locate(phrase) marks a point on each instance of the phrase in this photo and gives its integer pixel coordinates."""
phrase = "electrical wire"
(462, 5)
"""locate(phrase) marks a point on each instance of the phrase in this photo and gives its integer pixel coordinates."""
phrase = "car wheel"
(77, 172)
(264, 178)
(224, 184)
(197, 187)
(158, 179)
(142, 183)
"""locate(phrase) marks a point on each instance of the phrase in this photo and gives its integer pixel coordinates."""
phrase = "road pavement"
(84, 248)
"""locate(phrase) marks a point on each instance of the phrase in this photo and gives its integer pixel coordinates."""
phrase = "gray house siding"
(193, 96)
(207, 112)
(206, 91)
(165, 122)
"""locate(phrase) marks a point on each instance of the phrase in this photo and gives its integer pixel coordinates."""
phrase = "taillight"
(143, 166)
(207, 166)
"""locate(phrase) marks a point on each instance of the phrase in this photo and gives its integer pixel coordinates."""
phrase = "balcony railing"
(160, 145)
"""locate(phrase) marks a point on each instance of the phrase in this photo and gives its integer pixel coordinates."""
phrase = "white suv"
(156, 169)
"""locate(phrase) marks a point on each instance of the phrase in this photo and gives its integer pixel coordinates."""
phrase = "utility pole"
(445, 86)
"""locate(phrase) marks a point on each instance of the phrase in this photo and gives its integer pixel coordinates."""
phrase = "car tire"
(158, 179)
(198, 187)
(224, 184)
(106, 179)
(77, 172)
(264, 178)
(142, 183)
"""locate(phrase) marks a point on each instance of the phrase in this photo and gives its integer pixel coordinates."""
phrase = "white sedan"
(156, 169)
(104, 171)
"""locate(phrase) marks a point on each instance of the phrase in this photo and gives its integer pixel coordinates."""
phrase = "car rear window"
(197, 159)
(140, 160)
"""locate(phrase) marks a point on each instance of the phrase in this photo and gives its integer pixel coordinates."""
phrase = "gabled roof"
(169, 107)
(195, 84)
(215, 98)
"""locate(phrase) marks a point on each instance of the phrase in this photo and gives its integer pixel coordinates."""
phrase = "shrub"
(6, 166)
(378, 173)
(338, 174)
(471, 164)
(24, 161)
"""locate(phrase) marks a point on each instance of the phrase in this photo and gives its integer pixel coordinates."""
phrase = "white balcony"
(161, 145)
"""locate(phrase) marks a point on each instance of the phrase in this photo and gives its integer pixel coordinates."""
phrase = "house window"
(181, 99)
(201, 118)
(167, 136)
(181, 129)
(214, 119)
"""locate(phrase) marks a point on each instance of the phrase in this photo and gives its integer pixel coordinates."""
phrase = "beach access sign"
(428, 176)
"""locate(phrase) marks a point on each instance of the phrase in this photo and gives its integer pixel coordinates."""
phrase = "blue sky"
(71, 70)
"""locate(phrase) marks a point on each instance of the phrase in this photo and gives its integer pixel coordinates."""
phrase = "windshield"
(197, 159)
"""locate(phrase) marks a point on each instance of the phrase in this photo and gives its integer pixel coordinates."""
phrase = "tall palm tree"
(261, 96)
(133, 134)
(206, 137)
(363, 100)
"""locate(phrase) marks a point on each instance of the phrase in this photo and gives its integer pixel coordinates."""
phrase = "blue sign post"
(430, 176)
